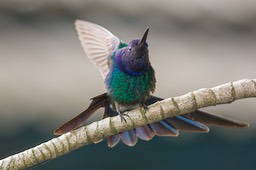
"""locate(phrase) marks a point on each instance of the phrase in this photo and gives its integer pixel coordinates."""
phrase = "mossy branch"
(98, 130)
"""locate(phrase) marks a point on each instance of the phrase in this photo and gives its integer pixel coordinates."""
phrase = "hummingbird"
(130, 83)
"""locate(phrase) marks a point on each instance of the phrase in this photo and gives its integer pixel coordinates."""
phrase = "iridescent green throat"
(127, 89)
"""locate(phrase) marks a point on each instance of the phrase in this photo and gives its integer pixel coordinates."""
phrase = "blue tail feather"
(129, 137)
(113, 140)
(163, 129)
(144, 132)
(196, 126)
(185, 124)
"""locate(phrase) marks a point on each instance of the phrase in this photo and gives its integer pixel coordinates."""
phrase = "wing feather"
(98, 44)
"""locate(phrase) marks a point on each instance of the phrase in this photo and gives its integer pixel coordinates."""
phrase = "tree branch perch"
(98, 130)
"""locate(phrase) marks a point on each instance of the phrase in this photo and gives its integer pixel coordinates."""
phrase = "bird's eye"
(129, 48)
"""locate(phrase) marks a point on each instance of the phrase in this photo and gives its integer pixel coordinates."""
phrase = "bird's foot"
(145, 107)
(122, 116)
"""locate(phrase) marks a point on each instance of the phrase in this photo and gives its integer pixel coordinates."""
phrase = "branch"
(98, 130)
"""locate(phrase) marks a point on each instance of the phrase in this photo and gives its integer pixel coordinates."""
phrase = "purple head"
(134, 58)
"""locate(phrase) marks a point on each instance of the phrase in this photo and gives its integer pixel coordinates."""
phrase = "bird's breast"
(127, 89)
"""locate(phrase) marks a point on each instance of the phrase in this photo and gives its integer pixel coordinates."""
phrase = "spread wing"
(98, 44)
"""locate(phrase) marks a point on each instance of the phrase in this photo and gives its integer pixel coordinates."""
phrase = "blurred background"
(46, 79)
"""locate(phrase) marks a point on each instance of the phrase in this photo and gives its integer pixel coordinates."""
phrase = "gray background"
(45, 77)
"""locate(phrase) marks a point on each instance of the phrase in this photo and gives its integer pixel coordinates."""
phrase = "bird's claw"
(145, 107)
(122, 116)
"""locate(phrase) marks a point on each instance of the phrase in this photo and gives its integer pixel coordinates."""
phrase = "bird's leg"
(121, 114)
(145, 107)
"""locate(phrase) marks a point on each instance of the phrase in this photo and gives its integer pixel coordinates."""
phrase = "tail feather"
(144, 132)
(113, 140)
(212, 119)
(206, 118)
(97, 102)
(163, 129)
(98, 141)
(185, 124)
(129, 137)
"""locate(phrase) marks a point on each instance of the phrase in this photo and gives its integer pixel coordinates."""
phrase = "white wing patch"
(98, 44)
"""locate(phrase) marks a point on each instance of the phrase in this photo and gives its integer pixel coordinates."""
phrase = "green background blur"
(46, 79)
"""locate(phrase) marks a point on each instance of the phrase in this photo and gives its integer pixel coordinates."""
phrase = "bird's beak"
(144, 38)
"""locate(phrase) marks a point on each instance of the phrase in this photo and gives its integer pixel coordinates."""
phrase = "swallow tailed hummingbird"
(130, 83)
